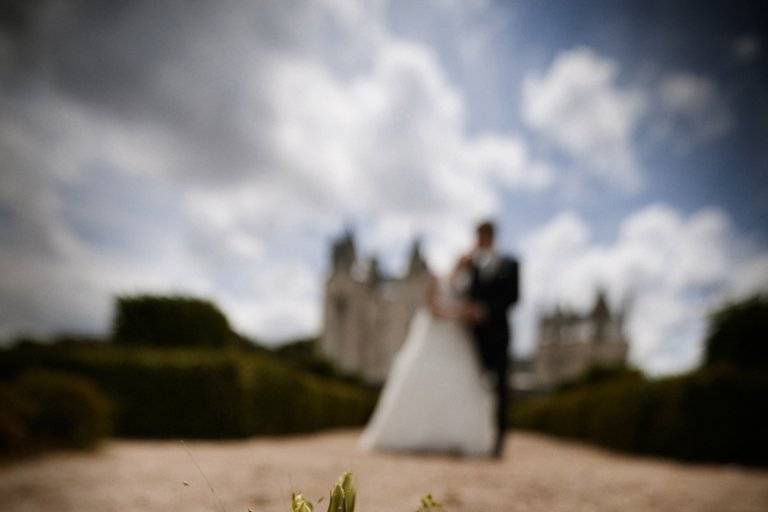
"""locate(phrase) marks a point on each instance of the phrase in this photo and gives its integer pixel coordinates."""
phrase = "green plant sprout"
(343, 497)
(428, 503)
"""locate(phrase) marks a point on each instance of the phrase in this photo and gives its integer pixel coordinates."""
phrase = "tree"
(737, 334)
(170, 321)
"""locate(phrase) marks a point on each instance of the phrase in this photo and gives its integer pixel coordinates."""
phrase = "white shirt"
(487, 260)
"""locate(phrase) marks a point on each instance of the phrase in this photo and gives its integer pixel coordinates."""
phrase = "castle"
(366, 317)
(569, 343)
(366, 314)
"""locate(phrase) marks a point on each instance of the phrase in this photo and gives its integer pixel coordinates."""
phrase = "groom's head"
(485, 232)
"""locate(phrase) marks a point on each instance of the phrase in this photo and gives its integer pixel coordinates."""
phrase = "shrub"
(43, 408)
(302, 354)
(170, 321)
(203, 393)
(14, 413)
(738, 335)
(157, 393)
(710, 415)
(283, 400)
(70, 410)
(598, 374)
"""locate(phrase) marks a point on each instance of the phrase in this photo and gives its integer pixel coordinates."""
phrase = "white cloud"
(671, 269)
(506, 160)
(692, 110)
(255, 130)
(269, 128)
(578, 105)
(388, 147)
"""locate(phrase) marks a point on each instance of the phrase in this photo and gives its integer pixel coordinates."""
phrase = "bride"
(436, 398)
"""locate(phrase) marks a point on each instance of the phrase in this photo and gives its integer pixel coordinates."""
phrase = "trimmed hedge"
(283, 401)
(170, 321)
(44, 409)
(711, 415)
(202, 393)
(737, 333)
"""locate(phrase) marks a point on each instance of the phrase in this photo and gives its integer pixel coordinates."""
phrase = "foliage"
(343, 497)
(43, 408)
(428, 503)
(738, 334)
(709, 415)
(14, 414)
(170, 321)
(297, 349)
(283, 400)
(598, 374)
(202, 393)
(302, 354)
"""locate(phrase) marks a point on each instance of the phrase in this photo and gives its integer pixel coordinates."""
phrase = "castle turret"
(416, 263)
(600, 310)
(366, 314)
(373, 276)
(343, 253)
(601, 316)
(571, 343)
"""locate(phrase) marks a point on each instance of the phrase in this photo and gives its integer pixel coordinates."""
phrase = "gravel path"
(537, 473)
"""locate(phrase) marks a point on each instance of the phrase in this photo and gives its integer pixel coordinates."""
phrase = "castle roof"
(560, 315)
(416, 262)
(601, 310)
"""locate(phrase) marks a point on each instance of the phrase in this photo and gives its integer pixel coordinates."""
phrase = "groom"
(492, 289)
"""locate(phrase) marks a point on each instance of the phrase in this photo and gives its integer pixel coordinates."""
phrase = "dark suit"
(496, 291)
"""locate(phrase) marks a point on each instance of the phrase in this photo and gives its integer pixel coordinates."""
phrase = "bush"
(70, 410)
(203, 393)
(44, 409)
(14, 414)
(598, 374)
(170, 321)
(738, 335)
(283, 403)
(710, 415)
(302, 355)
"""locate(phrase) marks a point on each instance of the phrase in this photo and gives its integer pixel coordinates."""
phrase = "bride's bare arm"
(430, 297)
(455, 312)
(458, 276)
(432, 300)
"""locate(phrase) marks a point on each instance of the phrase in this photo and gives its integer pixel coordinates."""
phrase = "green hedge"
(202, 393)
(170, 321)
(284, 401)
(710, 415)
(736, 334)
(42, 409)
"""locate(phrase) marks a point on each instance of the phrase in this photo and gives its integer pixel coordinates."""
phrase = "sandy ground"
(537, 473)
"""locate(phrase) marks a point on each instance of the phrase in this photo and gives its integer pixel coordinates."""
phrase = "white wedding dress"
(436, 398)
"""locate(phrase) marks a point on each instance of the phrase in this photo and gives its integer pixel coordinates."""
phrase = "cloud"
(216, 150)
(210, 150)
(669, 269)
(579, 107)
(746, 48)
(693, 110)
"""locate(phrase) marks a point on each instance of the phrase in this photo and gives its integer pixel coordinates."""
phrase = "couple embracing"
(447, 390)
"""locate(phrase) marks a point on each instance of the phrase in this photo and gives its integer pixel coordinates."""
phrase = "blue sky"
(217, 149)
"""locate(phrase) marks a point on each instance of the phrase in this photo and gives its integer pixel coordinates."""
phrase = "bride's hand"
(474, 312)
(464, 262)
(438, 311)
